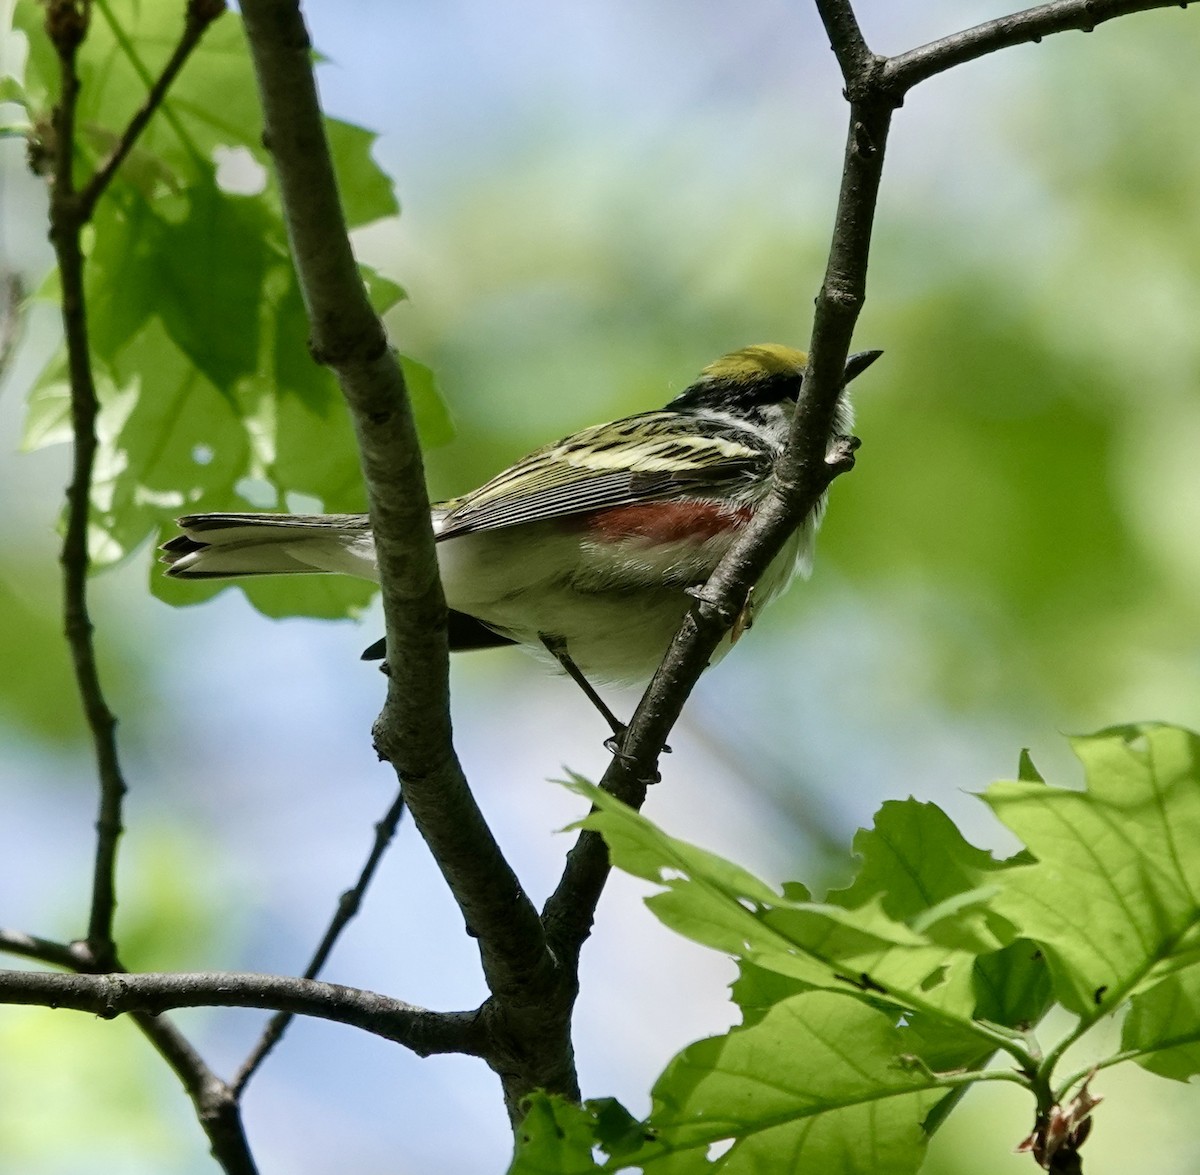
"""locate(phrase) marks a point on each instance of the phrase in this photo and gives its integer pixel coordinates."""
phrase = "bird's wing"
(638, 459)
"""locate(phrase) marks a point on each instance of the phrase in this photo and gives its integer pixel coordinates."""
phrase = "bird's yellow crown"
(761, 359)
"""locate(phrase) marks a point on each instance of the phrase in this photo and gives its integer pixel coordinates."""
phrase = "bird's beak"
(857, 363)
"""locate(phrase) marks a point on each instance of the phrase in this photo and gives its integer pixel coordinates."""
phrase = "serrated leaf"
(860, 951)
(182, 273)
(617, 1131)
(367, 191)
(1026, 771)
(1012, 985)
(926, 874)
(817, 1084)
(213, 102)
(382, 291)
(208, 265)
(199, 261)
(556, 1137)
(1164, 1023)
(757, 989)
(161, 447)
(1113, 893)
(433, 418)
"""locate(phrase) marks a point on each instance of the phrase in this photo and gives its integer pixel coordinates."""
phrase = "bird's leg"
(557, 647)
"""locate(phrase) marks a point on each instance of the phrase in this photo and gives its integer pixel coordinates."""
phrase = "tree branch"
(66, 26)
(845, 37)
(905, 70)
(44, 950)
(420, 1030)
(214, 1101)
(347, 907)
(802, 474)
(200, 14)
(413, 732)
(216, 1108)
(875, 86)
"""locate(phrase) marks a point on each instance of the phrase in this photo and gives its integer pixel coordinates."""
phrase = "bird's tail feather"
(218, 546)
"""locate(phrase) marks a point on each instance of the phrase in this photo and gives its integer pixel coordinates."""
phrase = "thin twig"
(347, 907)
(874, 86)
(66, 25)
(420, 1030)
(44, 950)
(200, 14)
(845, 37)
(216, 1109)
(905, 70)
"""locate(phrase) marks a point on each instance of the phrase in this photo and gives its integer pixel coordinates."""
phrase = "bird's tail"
(215, 546)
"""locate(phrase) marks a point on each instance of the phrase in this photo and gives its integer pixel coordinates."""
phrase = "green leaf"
(618, 1132)
(861, 951)
(916, 862)
(1026, 771)
(163, 446)
(199, 261)
(1012, 985)
(208, 264)
(1112, 895)
(556, 1137)
(924, 872)
(383, 292)
(367, 192)
(11, 90)
(1164, 1023)
(758, 989)
(198, 332)
(433, 419)
(818, 1084)
(48, 417)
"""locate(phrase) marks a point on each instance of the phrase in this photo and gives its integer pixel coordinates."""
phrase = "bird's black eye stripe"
(739, 394)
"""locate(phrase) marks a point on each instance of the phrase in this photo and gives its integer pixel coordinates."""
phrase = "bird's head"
(754, 378)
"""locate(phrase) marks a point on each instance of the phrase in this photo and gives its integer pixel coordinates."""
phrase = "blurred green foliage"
(1024, 518)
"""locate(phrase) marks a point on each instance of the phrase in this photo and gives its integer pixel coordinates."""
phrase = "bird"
(589, 548)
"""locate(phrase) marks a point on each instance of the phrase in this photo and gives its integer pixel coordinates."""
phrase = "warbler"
(588, 546)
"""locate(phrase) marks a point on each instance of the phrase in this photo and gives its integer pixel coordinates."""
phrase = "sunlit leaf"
(556, 1137)
(859, 951)
(817, 1084)
(1113, 892)
(367, 193)
(1164, 1023)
